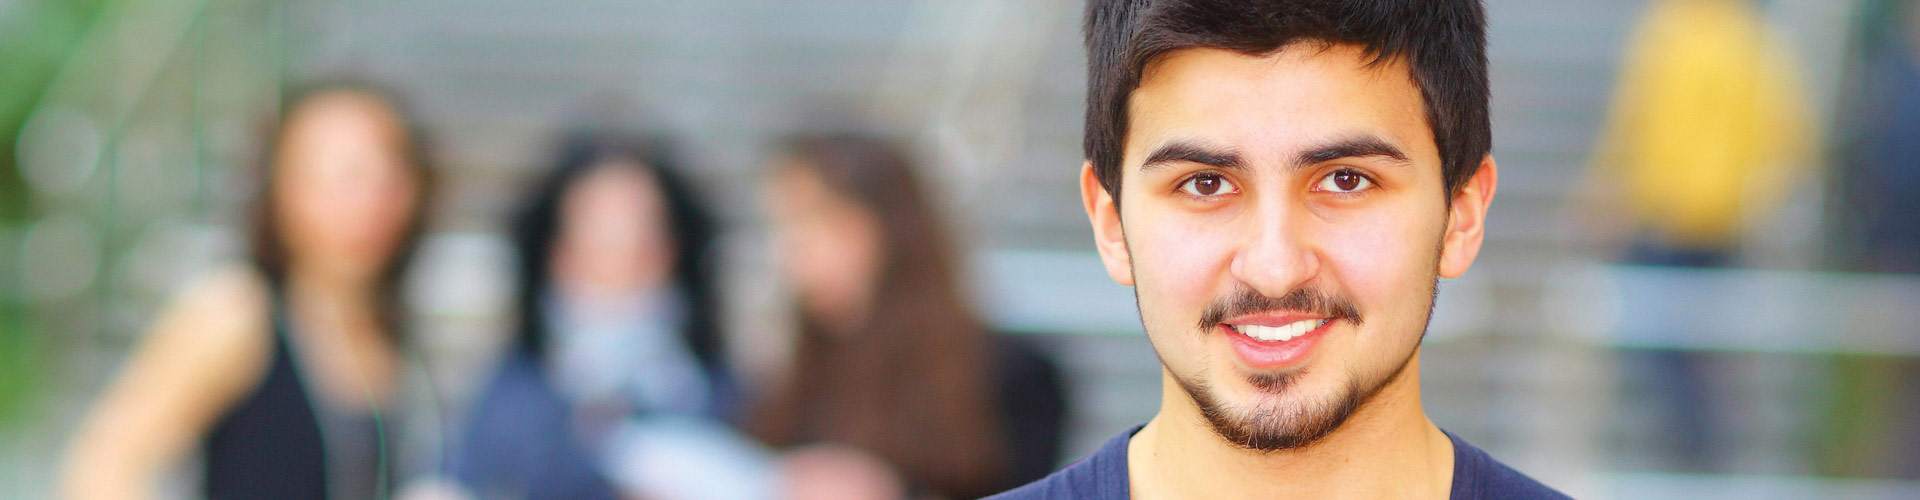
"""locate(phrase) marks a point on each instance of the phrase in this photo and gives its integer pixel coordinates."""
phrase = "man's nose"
(1277, 254)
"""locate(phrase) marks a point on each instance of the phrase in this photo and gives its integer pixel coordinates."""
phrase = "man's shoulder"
(1477, 476)
(1102, 475)
(1076, 482)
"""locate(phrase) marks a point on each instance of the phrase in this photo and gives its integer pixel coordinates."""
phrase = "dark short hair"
(1444, 41)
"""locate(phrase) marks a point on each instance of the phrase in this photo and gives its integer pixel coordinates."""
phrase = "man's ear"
(1108, 236)
(1467, 220)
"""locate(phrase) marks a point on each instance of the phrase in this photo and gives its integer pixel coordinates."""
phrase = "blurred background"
(1699, 279)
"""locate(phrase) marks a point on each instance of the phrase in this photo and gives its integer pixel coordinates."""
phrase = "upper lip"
(1271, 319)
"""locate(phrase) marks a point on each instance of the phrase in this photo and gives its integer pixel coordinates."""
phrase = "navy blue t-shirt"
(1103, 476)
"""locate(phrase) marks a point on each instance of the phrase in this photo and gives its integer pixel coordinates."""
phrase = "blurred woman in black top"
(284, 372)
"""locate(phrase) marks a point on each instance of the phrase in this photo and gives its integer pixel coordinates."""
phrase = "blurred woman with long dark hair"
(893, 372)
(615, 384)
(280, 372)
(614, 226)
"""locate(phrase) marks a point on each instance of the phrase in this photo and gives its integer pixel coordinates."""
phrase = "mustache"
(1244, 300)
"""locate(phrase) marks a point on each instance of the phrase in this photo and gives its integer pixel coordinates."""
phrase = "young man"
(1283, 183)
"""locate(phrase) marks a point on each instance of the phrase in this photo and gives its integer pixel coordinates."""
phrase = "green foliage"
(36, 40)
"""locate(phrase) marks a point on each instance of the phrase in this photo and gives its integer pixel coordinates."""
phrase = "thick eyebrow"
(1350, 147)
(1192, 152)
(1360, 146)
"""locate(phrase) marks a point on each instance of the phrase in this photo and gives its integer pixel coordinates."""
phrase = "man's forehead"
(1277, 103)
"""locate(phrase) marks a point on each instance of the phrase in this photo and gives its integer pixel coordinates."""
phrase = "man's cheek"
(1182, 261)
(1373, 262)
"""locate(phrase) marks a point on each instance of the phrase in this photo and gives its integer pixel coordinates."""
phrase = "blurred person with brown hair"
(281, 372)
(1707, 131)
(900, 390)
(615, 383)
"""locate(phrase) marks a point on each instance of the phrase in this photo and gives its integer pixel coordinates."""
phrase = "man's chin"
(1274, 411)
(1274, 384)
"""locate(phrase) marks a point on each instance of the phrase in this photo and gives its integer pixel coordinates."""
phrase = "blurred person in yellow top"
(1708, 127)
(1708, 130)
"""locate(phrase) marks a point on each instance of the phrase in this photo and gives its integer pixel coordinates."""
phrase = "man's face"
(1283, 222)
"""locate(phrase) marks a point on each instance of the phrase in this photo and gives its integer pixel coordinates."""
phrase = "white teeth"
(1279, 333)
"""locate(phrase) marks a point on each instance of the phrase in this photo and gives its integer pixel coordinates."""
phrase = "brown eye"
(1344, 181)
(1207, 185)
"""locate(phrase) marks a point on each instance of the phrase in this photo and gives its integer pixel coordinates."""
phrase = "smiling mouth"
(1280, 333)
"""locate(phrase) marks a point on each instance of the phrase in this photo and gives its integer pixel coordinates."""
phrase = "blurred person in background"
(1707, 130)
(896, 389)
(615, 383)
(1873, 426)
(281, 372)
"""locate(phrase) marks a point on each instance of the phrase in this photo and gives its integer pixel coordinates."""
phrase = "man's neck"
(1386, 449)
